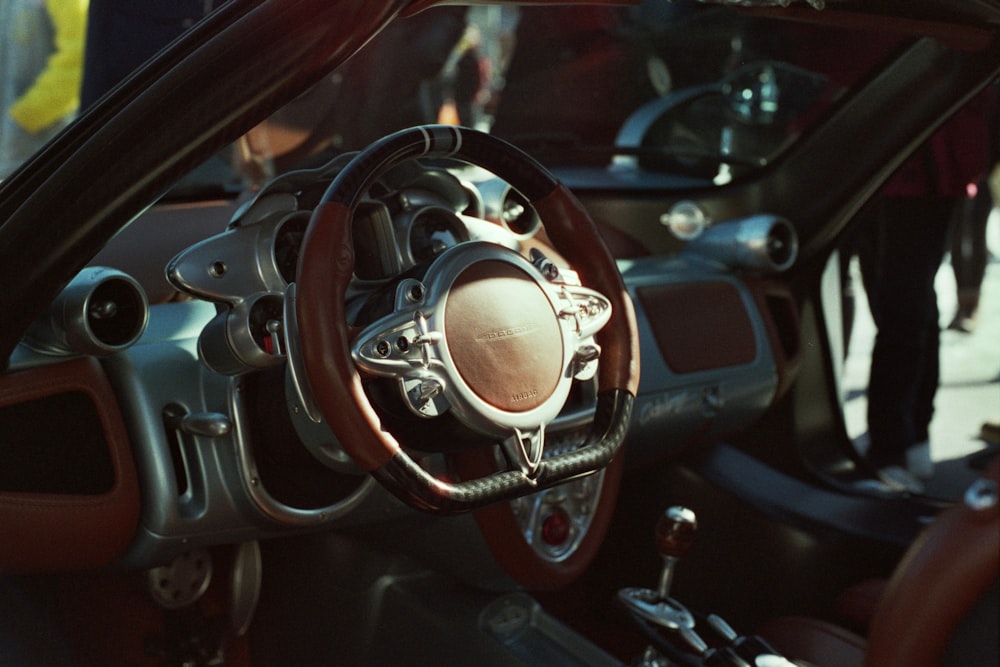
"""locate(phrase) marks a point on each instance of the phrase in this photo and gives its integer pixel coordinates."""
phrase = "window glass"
(670, 88)
(681, 88)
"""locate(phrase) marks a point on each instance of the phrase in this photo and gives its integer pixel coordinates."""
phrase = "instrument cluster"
(409, 217)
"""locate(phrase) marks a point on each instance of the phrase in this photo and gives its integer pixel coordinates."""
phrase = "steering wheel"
(485, 333)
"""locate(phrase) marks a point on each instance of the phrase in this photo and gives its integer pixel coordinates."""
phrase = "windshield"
(665, 90)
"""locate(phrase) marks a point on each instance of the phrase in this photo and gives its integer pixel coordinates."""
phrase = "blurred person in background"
(123, 34)
(41, 64)
(969, 251)
(901, 247)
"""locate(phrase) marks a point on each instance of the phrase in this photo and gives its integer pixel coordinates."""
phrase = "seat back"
(940, 579)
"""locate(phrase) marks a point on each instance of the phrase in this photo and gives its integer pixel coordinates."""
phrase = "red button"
(555, 528)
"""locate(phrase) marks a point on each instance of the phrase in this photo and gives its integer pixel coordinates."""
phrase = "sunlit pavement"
(969, 394)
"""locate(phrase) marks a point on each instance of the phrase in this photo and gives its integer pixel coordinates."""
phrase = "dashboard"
(193, 424)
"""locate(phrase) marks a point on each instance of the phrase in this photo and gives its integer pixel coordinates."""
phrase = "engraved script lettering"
(500, 334)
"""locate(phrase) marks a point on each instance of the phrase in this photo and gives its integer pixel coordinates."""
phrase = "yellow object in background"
(55, 94)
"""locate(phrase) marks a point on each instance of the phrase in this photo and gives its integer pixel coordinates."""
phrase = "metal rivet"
(982, 495)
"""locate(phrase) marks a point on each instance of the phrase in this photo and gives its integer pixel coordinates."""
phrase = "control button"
(556, 528)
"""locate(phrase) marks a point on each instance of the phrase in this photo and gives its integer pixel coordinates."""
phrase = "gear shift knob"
(675, 532)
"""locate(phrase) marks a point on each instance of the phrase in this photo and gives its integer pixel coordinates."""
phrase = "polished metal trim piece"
(576, 499)
(182, 581)
(426, 357)
(982, 495)
(667, 613)
(686, 220)
(298, 378)
(240, 261)
(245, 586)
(268, 505)
(241, 270)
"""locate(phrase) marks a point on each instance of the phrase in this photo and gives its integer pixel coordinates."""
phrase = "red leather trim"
(941, 576)
(700, 326)
(575, 235)
(820, 643)
(325, 270)
(47, 532)
(108, 617)
(857, 605)
(503, 535)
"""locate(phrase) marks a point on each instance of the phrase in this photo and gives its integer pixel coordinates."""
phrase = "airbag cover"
(504, 336)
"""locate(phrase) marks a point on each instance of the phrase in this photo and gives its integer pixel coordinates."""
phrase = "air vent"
(518, 215)
(782, 244)
(101, 311)
(759, 243)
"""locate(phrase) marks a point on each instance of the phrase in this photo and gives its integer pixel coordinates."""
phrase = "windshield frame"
(210, 86)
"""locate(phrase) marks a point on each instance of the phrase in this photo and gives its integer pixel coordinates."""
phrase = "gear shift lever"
(674, 535)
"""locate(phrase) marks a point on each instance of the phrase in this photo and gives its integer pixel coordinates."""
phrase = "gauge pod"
(433, 230)
(511, 209)
(247, 336)
(99, 312)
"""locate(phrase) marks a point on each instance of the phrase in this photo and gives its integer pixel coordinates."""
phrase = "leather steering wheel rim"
(325, 271)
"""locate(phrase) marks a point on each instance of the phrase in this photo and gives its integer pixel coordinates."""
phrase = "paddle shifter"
(652, 609)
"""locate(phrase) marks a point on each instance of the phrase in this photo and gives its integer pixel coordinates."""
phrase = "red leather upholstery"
(947, 569)
(856, 606)
(821, 643)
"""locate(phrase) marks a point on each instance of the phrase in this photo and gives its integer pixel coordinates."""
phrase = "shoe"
(892, 480)
(863, 443)
(901, 479)
(990, 432)
(963, 323)
(965, 317)
(919, 462)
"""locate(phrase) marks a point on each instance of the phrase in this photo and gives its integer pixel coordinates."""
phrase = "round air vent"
(782, 244)
(761, 243)
(115, 313)
(101, 311)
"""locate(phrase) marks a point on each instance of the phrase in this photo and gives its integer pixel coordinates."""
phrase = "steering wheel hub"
(504, 336)
(487, 337)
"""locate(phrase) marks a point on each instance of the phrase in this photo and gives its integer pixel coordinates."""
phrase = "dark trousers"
(900, 248)
(969, 254)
